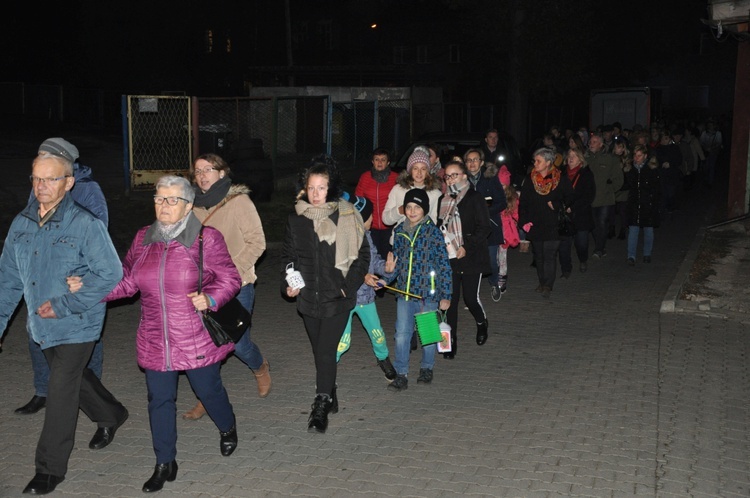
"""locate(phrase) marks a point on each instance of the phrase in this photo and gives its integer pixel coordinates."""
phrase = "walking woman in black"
(465, 223)
(543, 194)
(325, 241)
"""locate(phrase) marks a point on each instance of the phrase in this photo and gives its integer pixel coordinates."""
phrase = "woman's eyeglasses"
(171, 201)
(199, 172)
(453, 176)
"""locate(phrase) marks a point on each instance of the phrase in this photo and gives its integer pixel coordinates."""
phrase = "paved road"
(593, 392)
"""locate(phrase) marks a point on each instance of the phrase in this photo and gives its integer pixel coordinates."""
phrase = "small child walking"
(365, 308)
(422, 268)
(509, 217)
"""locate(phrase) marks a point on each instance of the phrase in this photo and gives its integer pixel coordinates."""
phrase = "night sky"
(142, 46)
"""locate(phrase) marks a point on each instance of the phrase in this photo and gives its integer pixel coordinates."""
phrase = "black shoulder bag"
(229, 322)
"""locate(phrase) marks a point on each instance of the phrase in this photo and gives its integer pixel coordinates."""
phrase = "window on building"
(422, 57)
(300, 34)
(208, 42)
(454, 54)
(325, 33)
(398, 55)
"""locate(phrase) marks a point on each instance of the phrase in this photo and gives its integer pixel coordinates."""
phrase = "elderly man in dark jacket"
(88, 194)
(50, 240)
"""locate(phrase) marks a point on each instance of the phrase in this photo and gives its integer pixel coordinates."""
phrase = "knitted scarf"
(347, 234)
(213, 195)
(545, 184)
(451, 226)
(380, 176)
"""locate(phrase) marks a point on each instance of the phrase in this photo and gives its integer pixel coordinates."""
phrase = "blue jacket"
(423, 267)
(36, 261)
(87, 193)
(365, 293)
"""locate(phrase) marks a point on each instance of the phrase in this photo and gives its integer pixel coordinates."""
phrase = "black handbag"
(228, 323)
(565, 226)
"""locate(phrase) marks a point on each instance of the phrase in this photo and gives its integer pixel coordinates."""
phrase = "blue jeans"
(493, 264)
(601, 215)
(648, 240)
(162, 410)
(245, 349)
(41, 367)
(405, 311)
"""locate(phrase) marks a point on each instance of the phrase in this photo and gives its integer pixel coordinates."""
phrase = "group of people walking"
(428, 234)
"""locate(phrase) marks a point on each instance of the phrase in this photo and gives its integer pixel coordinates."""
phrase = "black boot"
(228, 441)
(334, 401)
(162, 472)
(611, 232)
(318, 420)
(623, 233)
(482, 332)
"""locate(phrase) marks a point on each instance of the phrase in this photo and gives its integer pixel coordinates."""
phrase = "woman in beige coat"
(228, 208)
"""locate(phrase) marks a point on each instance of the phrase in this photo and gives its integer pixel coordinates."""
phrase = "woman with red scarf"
(584, 191)
(543, 194)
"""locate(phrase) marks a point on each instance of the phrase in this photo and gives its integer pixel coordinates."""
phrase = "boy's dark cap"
(419, 197)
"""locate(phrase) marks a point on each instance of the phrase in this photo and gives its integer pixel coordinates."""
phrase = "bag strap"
(223, 201)
(200, 260)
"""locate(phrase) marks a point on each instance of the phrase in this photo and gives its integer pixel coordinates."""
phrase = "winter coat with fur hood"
(237, 219)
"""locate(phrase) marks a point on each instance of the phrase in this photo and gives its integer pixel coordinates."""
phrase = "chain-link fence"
(265, 140)
(159, 136)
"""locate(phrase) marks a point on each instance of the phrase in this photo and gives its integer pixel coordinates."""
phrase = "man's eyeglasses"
(453, 176)
(199, 172)
(474, 160)
(171, 201)
(52, 181)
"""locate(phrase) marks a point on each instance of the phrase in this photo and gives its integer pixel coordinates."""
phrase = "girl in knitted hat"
(416, 175)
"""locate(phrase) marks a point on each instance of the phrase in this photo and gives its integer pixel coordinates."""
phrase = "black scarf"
(380, 176)
(214, 195)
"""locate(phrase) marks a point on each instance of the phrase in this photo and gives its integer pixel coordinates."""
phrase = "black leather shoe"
(228, 441)
(162, 472)
(104, 435)
(482, 332)
(33, 406)
(42, 484)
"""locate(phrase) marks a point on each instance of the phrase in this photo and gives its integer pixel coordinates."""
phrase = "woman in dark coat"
(465, 222)
(643, 202)
(584, 191)
(542, 196)
(325, 241)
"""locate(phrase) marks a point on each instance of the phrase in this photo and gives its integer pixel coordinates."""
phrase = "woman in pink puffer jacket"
(162, 264)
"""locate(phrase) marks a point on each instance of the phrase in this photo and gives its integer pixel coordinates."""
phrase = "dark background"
(512, 53)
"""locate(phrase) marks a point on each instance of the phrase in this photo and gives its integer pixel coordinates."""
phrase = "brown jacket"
(238, 221)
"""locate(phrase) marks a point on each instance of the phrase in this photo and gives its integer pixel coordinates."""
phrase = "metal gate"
(158, 138)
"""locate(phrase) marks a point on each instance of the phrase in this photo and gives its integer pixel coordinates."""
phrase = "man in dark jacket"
(485, 181)
(89, 195)
(608, 178)
(50, 240)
